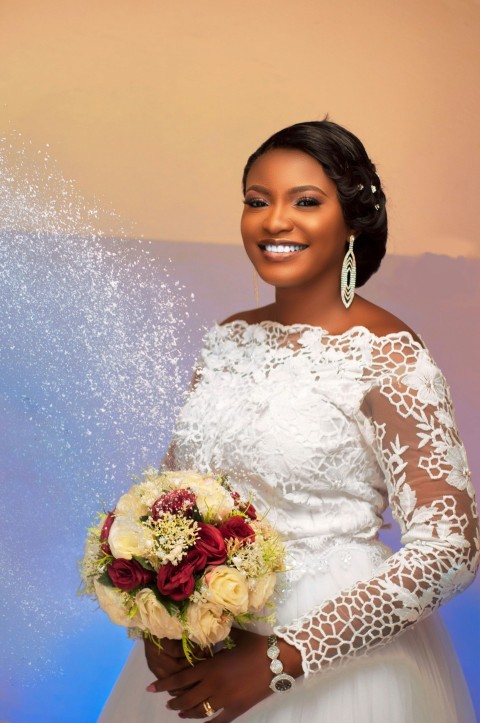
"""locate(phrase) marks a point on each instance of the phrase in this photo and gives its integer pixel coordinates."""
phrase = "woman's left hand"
(234, 680)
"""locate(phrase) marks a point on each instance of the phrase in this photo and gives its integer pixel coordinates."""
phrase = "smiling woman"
(326, 408)
(301, 224)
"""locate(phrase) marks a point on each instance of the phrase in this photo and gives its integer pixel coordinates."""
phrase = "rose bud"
(176, 502)
(105, 531)
(210, 541)
(176, 581)
(237, 527)
(246, 507)
(129, 574)
(249, 510)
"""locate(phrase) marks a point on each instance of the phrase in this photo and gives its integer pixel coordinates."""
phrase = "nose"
(276, 219)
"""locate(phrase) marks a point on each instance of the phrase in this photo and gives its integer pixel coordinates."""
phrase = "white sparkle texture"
(95, 356)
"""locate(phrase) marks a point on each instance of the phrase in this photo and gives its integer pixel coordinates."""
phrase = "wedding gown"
(326, 430)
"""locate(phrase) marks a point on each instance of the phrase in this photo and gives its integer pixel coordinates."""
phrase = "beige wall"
(153, 106)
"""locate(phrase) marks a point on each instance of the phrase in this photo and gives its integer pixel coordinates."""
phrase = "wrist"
(291, 658)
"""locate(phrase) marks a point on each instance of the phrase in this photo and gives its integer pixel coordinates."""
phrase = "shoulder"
(381, 322)
(250, 316)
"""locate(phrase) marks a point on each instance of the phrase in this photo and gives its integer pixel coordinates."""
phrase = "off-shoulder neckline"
(324, 332)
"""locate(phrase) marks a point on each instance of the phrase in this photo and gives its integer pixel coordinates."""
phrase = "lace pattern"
(327, 430)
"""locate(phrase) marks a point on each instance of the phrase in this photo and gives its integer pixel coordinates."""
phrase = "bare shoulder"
(250, 316)
(381, 322)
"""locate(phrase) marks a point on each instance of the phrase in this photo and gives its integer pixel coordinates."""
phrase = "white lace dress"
(327, 430)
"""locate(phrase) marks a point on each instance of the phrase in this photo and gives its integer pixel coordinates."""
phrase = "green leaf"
(171, 607)
(144, 563)
(104, 579)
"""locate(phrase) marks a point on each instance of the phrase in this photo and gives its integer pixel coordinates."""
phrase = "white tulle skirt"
(415, 678)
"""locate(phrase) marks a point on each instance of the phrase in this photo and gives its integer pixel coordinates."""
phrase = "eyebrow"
(295, 189)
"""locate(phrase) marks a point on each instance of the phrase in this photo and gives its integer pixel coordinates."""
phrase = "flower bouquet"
(182, 556)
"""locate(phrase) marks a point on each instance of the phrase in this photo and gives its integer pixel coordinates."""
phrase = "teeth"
(281, 249)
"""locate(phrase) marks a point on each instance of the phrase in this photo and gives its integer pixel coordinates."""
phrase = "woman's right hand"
(167, 661)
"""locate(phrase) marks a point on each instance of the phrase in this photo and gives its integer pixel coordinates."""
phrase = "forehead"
(286, 168)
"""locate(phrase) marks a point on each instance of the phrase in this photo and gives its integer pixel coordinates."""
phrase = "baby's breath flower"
(173, 536)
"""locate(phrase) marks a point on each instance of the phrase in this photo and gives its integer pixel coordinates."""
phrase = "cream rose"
(155, 618)
(215, 503)
(207, 624)
(128, 538)
(111, 602)
(131, 505)
(227, 587)
(260, 591)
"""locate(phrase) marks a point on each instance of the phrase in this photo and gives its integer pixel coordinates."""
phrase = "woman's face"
(292, 225)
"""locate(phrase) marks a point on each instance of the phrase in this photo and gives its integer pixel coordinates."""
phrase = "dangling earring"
(349, 274)
(255, 288)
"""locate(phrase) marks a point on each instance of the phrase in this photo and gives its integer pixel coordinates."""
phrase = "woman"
(328, 407)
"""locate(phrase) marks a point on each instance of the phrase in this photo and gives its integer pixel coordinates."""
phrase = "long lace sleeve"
(408, 420)
(169, 461)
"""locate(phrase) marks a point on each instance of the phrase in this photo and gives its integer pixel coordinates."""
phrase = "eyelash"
(311, 202)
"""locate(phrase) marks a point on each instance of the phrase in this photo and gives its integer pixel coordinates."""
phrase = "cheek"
(245, 226)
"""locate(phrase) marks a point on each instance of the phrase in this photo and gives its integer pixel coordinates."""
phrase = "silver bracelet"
(281, 682)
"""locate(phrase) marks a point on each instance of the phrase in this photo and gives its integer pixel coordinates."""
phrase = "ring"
(208, 708)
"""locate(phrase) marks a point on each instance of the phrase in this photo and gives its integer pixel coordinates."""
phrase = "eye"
(307, 201)
(255, 202)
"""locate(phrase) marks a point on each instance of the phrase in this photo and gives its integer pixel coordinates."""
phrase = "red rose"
(197, 559)
(210, 541)
(246, 507)
(128, 574)
(176, 502)
(105, 531)
(237, 527)
(176, 581)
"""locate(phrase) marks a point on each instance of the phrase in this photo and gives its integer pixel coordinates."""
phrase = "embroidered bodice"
(327, 430)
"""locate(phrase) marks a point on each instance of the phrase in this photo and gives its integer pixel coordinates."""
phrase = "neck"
(321, 306)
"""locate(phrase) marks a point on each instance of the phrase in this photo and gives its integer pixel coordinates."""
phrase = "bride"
(328, 408)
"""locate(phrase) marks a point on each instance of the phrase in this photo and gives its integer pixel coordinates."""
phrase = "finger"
(205, 709)
(183, 679)
(197, 712)
(174, 693)
(164, 668)
(172, 647)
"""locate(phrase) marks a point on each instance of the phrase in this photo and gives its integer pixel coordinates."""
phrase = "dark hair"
(344, 160)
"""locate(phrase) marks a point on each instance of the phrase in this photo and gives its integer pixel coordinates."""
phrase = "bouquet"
(182, 556)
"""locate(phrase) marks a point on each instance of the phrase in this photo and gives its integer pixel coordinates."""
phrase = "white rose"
(155, 618)
(213, 500)
(207, 624)
(128, 538)
(131, 505)
(111, 602)
(260, 591)
(227, 587)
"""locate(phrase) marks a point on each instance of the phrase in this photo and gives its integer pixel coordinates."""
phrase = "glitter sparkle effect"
(94, 356)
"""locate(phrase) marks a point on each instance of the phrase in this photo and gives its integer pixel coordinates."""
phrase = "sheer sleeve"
(169, 461)
(407, 418)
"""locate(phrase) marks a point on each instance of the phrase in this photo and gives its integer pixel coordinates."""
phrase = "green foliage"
(104, 579)
(144, 563)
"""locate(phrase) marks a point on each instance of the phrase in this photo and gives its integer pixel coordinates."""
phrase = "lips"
(281, 246)
(280, 249)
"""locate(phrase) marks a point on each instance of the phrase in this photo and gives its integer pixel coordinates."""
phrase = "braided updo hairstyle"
(344, 160)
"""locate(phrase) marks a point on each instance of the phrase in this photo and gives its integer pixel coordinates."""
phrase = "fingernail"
(151, 688)
(182, 715)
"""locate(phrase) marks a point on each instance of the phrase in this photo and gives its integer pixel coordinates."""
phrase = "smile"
(282, 248)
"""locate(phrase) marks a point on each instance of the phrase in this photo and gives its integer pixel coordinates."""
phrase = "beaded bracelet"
(282, 682)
